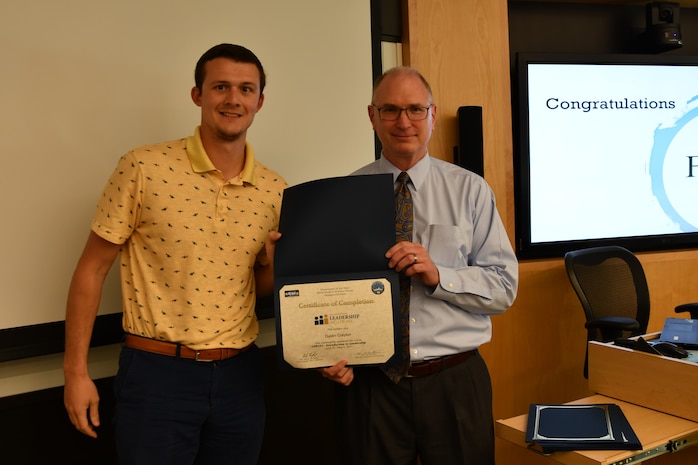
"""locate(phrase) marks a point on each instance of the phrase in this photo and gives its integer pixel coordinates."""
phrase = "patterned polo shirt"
(189, 242)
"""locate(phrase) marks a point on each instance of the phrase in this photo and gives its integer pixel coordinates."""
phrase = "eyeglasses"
(414, 113)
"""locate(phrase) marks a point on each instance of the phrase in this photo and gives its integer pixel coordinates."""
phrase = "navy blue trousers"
(443, 419)
(173, 411)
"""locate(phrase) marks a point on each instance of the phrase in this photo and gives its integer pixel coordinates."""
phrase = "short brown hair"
(233, 52)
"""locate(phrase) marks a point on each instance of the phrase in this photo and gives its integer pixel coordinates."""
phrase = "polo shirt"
(190, 241)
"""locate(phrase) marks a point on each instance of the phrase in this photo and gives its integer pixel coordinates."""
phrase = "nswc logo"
(292, 293)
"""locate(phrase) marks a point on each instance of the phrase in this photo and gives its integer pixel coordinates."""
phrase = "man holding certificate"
(459, 266)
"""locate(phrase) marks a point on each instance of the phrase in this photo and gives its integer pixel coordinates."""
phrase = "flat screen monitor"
(606, 152)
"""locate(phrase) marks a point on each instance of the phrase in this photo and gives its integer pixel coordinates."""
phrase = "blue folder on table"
(580, 427)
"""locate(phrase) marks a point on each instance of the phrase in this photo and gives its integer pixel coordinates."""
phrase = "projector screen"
(84, 81)
(607, 153)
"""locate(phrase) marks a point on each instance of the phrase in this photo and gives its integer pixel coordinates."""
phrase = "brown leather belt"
(178, 350)
(434, 366)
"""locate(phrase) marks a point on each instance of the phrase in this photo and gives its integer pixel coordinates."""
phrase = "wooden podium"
(655, 394)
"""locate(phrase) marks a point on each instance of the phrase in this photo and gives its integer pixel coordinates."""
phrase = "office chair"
(692, 308)
(612, 289)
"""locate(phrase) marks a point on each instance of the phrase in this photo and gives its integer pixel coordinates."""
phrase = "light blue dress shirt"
(456, 220)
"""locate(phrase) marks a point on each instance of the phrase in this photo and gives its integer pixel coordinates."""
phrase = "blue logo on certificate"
(377, 287)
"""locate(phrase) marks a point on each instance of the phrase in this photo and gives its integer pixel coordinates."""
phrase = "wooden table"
(658, 432)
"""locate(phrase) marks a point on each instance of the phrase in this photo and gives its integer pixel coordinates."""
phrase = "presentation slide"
(613, 150)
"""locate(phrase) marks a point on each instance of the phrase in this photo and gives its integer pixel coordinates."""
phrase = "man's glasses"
(414, 113)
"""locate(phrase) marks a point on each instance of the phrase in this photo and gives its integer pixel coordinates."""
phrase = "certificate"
(327, 322)
(335, 298)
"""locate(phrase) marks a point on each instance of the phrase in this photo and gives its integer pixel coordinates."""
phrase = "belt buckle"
(196, 358)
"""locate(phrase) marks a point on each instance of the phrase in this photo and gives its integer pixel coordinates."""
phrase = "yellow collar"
(201, 163)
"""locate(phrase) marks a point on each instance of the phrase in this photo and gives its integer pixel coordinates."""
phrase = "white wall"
(83, 81)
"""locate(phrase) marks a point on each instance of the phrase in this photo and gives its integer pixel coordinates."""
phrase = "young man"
(462, 269)
(191, 222)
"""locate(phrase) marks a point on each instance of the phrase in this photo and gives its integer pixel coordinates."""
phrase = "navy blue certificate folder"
(580, 427)
(336, 231)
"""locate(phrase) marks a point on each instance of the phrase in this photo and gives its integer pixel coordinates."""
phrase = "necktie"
(403, 232)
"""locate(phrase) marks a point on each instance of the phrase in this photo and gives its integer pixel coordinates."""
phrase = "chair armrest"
(692, 308)
(613, 322)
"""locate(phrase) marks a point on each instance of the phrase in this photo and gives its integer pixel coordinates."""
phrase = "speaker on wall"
(469, 153)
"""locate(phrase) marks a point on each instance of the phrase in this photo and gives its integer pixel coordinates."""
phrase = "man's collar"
(418, 173)
(201, 163)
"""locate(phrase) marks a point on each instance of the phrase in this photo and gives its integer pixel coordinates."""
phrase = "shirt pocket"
(447, 245)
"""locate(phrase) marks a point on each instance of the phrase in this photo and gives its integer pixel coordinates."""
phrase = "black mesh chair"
(612, 289)
(691, 308)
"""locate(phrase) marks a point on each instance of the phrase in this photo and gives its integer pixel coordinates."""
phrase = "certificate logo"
(377, 287)
(292, 293)
(343, 318)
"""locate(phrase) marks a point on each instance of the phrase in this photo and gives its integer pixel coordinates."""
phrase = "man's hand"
(82, 403)
(339, 373)
(270, 245)
(264, 268)
(414, 259)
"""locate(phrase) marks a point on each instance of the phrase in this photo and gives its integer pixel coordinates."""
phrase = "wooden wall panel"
(462, 48)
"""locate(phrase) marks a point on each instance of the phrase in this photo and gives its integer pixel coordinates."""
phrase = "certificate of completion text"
(324, 323)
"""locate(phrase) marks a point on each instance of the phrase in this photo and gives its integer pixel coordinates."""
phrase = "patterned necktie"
(403, 232)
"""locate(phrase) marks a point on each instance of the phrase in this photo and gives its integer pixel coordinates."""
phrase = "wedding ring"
(415, 259)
